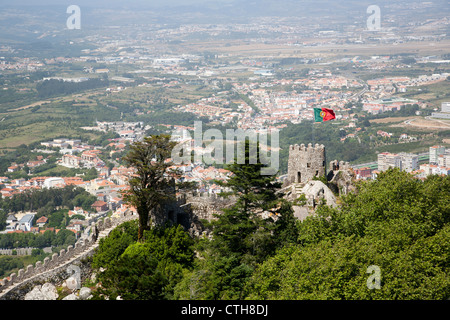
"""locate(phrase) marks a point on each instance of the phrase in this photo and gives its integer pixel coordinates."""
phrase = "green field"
(434, 94)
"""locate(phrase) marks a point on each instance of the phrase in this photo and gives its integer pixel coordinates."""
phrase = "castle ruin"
(305, 163)
(341, 175)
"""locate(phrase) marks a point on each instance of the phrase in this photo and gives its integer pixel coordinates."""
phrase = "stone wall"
(205, 206)
(51, 266)
(341, 176)
(305, 162)
(19, 251)
(172, 211)
(202, 206)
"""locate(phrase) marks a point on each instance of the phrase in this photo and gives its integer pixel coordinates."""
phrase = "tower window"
(308, 165)
(171, 215)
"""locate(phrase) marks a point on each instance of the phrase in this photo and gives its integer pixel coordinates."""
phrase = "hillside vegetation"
(397, 224)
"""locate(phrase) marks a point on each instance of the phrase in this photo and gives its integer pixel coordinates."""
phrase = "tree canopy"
(141, 270)
(243, 235)
(397, 223)
(153, 183)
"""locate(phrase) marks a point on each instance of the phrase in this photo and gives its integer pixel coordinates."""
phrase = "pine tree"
(242, 237)
(241, 229)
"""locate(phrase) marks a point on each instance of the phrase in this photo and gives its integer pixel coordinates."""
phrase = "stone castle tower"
(305, 163)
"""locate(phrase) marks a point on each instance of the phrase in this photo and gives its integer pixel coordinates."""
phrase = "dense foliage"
(46, 201)
(52, 87)
(146, 269)
(9, 263)
(397, 223)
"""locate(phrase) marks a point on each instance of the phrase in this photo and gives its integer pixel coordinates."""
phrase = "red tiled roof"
(42, 220)
(99, 203)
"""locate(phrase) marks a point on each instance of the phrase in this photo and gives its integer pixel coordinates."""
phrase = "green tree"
(90, 174)
(143, 270)
(37, 252)
(154, 184)
(3, 216)
(8, 263)
(57, 219)
(241, 229)
(170, 243)
(111, 247)
(241, 237)
(397, 223)
(134, 276)
(65, 238)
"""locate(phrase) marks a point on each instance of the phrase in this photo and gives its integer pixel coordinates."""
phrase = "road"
(445, 124)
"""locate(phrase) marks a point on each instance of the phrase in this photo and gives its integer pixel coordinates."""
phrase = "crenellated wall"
(57, 263)
(189, 208)
(341, 176)
(18, 251)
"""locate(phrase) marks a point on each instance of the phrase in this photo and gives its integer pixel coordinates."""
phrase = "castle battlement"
(336, 165)
(309, 148)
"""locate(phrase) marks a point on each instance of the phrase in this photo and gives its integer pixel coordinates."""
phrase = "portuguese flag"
(323, 114)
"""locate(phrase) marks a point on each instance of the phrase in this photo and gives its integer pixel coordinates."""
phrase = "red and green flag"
(323, 114)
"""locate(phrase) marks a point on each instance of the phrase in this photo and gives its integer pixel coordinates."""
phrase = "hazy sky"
(111, 3)
(157, 3)
(219, 11)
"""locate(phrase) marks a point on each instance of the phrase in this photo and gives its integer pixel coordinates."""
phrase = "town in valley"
(76, 94)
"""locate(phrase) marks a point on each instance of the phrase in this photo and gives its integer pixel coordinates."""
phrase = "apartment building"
(404, 161)
(444, 159)
(435, 152)
(410, 162)
(388, 160)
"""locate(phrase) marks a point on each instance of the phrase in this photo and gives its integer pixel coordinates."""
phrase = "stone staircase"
(293, 190)
(298, 188)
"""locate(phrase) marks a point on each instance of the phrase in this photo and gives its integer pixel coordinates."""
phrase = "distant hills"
(208, 11)
(24, 21)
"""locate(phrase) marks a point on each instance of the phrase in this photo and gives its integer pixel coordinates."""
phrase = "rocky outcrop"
(45, 292)
(305, 197)
(316, 191)
(83, 294)
(48, 291)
